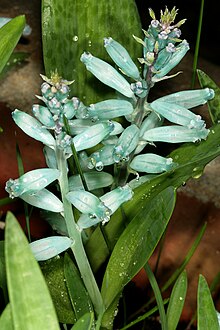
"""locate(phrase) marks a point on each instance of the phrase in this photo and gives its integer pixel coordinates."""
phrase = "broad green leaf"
(9, 36)
(53, 271)
(214, 104)
(30, 301)
(85, 322)
(6, 322)
(137, 243)
(191, 159)
(177, 300)
(78, 295)
(206, 313)
(70, 27)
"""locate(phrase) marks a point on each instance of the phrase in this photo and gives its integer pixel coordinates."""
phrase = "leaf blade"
(206, 313)
(9, 36)
(214, 104)
(26, 284)
(131, 253)
(177, 300)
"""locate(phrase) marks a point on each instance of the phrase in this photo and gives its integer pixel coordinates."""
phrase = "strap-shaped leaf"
(206, 313)
(177, 300)
(137, 243)
(31, 304)
(71, 27)
(6, 322)
(85, 322)
(214, 104)
(78, 295)
(9, 36)
(53, 271)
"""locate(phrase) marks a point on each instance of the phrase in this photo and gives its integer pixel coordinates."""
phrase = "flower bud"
(107, 74)
(69, 109)
(177, 56)
(151, 163)
(49, 247)
(44, 115)
(121, 57)
(164, 56)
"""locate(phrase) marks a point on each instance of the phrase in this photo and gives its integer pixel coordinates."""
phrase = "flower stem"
(75, 235)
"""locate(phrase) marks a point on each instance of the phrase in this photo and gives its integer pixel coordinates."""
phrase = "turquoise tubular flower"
(112, 202)
(89, 204)
(46, 248)
(78, 126)
(151, 121)
(121, 57)
(94, 180)
(31, 181)
(33, 128)
(110, 109)
(118, 129)
(177, 56)
(45, 200)
(151, 163)
(178, 114)
(115, 198)
(92, 135)
(102, 157)
(43, 115)
(50, 157)
(107, 74)
(175, 134)
(127, 142)
(190, 98)
(83, 160)
(164, 56)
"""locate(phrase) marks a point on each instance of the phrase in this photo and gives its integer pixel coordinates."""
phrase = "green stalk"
(158, 296)
(195, 59)
(75, 157)
(75, 235)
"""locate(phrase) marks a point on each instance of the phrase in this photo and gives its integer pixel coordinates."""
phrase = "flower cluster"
(93, 133)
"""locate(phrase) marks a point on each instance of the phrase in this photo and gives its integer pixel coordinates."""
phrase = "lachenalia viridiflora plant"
(81, 140)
